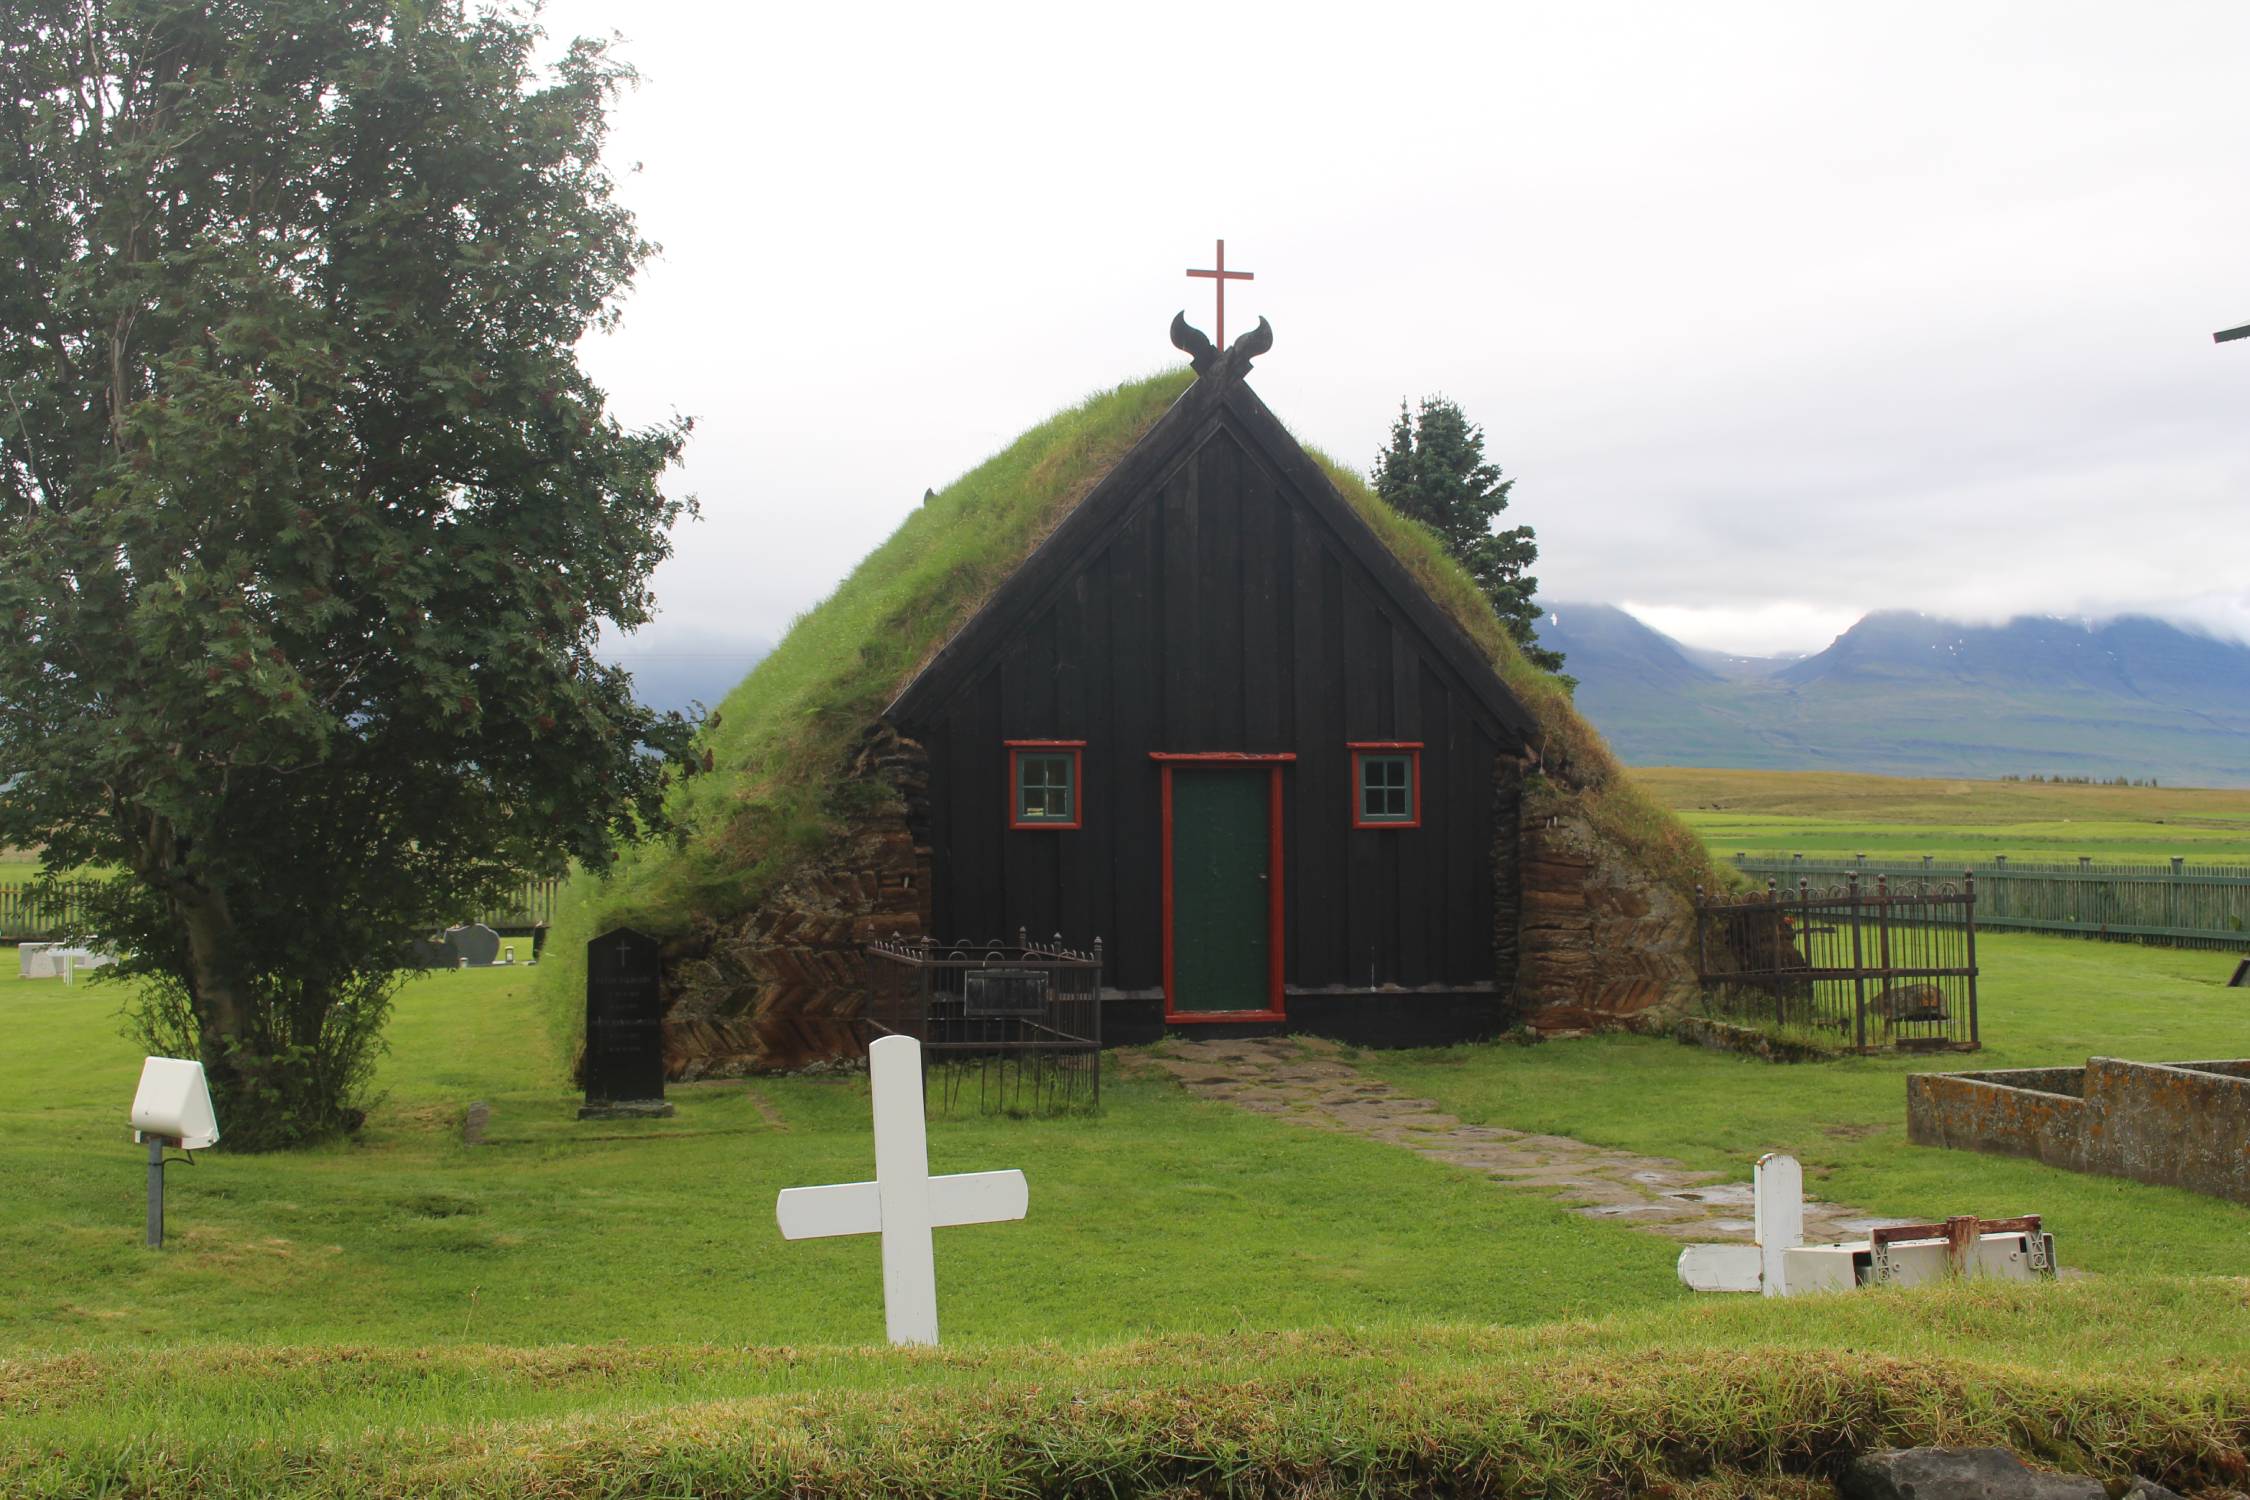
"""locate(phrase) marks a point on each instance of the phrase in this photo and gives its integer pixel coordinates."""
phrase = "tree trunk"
(222, 1010)
(214, 971)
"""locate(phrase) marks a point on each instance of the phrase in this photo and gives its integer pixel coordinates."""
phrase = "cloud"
(1779, 313)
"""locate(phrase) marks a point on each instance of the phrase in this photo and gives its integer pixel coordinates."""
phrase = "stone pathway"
(1307, 1082)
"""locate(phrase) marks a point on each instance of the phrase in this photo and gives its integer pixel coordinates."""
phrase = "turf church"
(1213, 721)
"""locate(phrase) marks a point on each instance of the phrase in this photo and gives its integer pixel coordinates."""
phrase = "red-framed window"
(1386, 783)
(1046, 783)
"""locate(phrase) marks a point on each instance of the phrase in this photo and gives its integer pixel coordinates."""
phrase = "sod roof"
(778, 797)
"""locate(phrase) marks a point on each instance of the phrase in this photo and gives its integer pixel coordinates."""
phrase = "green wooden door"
(1221, 911)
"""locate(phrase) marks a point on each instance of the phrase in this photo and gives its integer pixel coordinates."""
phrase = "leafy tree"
(1435, 472)
(308, 515)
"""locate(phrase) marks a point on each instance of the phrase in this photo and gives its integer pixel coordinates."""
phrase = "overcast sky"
(1777, 313)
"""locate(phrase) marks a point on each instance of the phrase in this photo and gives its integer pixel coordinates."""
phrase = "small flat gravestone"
(624, 1068)
(476, 945)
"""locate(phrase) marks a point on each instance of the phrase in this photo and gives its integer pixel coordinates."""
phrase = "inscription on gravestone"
(624, 1067)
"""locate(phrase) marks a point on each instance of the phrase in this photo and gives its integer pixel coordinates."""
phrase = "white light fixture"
(172, 1107)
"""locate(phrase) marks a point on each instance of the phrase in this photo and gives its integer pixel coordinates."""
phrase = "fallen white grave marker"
(904, 1202)
(1781, 1264)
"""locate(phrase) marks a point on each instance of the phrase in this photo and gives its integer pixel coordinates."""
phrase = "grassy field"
(2045, 1002)
(1163, 1215)
(1201, 1298)
(1818, 812)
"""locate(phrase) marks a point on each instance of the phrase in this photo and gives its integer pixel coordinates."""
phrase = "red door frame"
(1275, 1010)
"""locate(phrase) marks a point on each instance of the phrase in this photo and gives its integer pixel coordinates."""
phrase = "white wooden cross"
(1779, 1193)
(904, 1202)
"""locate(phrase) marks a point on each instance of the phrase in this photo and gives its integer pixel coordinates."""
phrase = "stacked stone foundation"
(784, 986)
(1602, 945)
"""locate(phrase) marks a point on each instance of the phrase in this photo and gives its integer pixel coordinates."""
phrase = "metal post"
(1097, 1023)
(1883, 950)
(1859, 973)
(1769, 938)
(1969, 920)
(156, 1192)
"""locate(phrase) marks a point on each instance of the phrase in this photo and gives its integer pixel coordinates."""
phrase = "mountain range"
(1912, 695)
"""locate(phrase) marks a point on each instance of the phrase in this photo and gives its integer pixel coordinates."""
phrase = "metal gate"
(1843, 966)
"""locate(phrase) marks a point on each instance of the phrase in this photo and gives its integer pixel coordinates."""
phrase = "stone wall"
(1602, 945)
(783, 986)
(2178, 1124)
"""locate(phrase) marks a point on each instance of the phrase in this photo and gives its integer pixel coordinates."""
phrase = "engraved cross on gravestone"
(624, 1068)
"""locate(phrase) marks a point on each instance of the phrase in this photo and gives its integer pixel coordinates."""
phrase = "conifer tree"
(1435, 472)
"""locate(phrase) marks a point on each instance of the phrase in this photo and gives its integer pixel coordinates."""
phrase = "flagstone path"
(1307, 1082)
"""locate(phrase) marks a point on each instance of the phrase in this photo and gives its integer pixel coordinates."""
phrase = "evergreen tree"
(1435, 472)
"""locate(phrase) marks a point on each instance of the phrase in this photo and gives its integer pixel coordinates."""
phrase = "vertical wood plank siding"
(1221, 614)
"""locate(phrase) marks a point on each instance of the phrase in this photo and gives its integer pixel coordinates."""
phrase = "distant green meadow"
(1833, 813)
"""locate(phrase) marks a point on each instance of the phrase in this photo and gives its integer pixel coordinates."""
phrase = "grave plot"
(1844, 968)
(2181, 1124)
(1005, 1027)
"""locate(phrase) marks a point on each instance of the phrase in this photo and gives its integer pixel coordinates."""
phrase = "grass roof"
(779, 741)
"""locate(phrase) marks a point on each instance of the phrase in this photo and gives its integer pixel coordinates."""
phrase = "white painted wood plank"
(812, 1213)
(1779, 1193)
(978, 1198)
(902, 1181)
(1721, 1268)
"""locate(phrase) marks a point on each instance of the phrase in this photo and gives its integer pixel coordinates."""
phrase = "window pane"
(1386, 788)
(1043, 790)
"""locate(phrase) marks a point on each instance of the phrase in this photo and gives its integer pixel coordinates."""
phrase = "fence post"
(1772, 961)
(1859, 971)
(1969, 916)
(1702, 949)
(1883, 928)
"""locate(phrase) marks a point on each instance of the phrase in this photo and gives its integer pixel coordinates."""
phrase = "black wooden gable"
(1222, 411)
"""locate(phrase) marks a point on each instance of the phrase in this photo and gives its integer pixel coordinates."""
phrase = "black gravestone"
(624, 1068)
(431, 953)
(2241, 980)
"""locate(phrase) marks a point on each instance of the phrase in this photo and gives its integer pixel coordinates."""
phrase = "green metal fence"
(2174, 905)
(37, 914)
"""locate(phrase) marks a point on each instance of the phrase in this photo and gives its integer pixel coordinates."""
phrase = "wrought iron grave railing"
(1019, 1022)
(1845, 966)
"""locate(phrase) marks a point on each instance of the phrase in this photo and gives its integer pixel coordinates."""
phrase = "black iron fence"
(2172, 904)
(1852, 966)
(1021, 1022)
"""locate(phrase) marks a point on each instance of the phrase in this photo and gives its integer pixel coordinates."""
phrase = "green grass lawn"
(1832, 813)
(2045, 1001)
(1200, 1298)
(1162, 1215)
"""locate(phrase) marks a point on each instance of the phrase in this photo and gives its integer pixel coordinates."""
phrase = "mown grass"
(1201, 1299)
(1829, 813)
(1161, 1214)
(2046, 1002)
